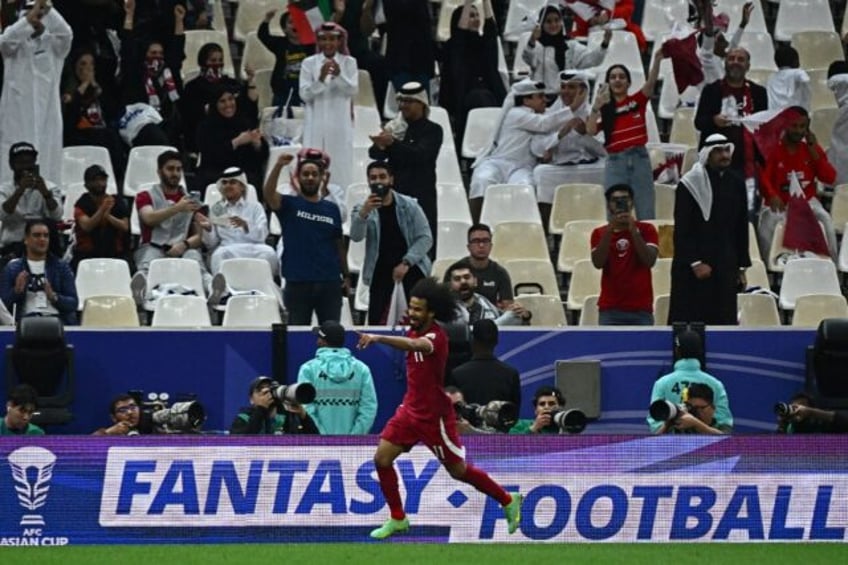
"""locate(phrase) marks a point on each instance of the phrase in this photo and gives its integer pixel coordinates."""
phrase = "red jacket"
(775, 177)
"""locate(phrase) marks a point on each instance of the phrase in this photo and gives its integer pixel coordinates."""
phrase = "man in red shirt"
(626, 250)
(426, 414)
(798, 151)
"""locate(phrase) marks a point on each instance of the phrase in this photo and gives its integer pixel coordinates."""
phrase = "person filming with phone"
(625, 249)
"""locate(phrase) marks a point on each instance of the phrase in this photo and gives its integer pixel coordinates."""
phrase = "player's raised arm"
(421, 344)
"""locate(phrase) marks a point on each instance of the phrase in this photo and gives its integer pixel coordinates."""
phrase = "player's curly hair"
(440, 299)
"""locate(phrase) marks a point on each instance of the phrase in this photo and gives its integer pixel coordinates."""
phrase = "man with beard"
(313, 262)
(710, 239)
(473, 307)
(426, 414)
(101, 221)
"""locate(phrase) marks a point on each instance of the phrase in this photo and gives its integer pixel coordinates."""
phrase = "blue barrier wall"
(757, 368)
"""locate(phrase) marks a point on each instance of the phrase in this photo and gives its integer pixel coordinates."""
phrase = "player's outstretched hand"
(365, 340)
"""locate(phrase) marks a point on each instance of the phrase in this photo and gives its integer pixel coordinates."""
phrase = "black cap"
(20, 148)
(258, 383)
(93, 172)
(689, 345)
(485, 331)
(332, 332)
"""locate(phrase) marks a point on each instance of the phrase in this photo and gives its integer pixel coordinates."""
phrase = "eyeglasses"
(698, 408)
(127, 409)
(480, 241)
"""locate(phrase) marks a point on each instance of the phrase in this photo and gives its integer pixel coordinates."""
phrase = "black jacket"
(254, 420)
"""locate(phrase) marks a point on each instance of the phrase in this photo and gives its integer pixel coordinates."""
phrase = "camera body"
(499, 415)
(156, 416)
(571, 421)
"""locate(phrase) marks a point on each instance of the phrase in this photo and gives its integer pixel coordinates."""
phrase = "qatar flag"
(803, 232)
(767, 127)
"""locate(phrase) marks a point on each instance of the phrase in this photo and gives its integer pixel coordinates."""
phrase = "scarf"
(557, 42)
(730, 109)
(212, 73)
(697, 180)
(157, 70)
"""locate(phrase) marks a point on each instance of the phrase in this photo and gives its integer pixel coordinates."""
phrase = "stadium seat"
(519, 240)
(219, 22)
(142, 170)
(756, 275)
(452, 202)
(808, 276)
(761, 47)
(666, 70)
(109, 312)
(249, 15)
(661, 276)
(577, 202)
(179, 311)
(197, 38)
(664, 196)
(251, 275)
(547, 310)
(356, 193)
(811, 309)
(510, 203)
(362, 297)
(520, 69)
(689, 159)
(817, 49)
(683, 128)
(822, 96)
(440, 266)
(390, 107)
(757, 310)
(265, 93)
(251, 312)
(661, 304)
(365, 94)
(775, 264)
(76, 159)
(274, 154)
(256, 55)
(517, 11)
(576, 243)
(452, 239)
(440, 116)
(366, 122)
(479, 129)
(821, 123)
(355, 255)
(623, 49)
(179, 271)
(72, 192)
(585, 281)
(532, 272)
(659, 15)
(759, 76)
(802, 15)
(102, 277)
(447, 166)
(733, 8)
(589, 315)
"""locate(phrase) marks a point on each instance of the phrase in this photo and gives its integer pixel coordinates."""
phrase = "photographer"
(687, 371)
(463, 426)
(626, 250)
(262, 416)
(546, 400)
(799, 416)
(126, 417)
(699, 417)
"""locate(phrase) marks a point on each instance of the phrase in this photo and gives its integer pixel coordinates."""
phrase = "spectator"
(263, 416)
(152, 77)
(314, 262)
(689, 350)
(804, 418)
(564, 150)
(230, 137)
(126, 417)
(710, 239)
(790, 85)
(89, 114)
(411, 143)
(837, 82)
(623, 119)
(101, 221)
(623, 11)
(626, 250)
(700, 415)
(236, 228)
(289, 54)
(345, 401)
(796, 152)
(95, 24)
(410, 52)
(493, 280)
(39, 284)
(34, 50)
(165, 213)
(397, 239)
(28, 196)
(329, 81)
(20, 406)
(473, 307)
(485, 378)
(508, 159)
(549, 50)
(546, 400)
(203, 91)
(470, 76)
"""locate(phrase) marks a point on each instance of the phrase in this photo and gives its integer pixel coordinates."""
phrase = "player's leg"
(395, 439)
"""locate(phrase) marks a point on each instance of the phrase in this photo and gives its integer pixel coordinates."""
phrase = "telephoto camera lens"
(665, 411)
(569, 421)
(782, 409)
(300, 393)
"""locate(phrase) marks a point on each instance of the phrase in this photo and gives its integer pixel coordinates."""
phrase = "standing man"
(313, 262)
(19, 410)
(710, 239)
(345, 400)
(101, 221)
(39, 284)
(34, 50)
(485, 378)
(411, 143)
(626, 250)
(493, 280)
(426, 414)
(397, 239)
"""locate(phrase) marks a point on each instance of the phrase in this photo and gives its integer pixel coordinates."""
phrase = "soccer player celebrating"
(426, 414)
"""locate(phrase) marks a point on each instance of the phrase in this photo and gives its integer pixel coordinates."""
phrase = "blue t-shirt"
(311, 232)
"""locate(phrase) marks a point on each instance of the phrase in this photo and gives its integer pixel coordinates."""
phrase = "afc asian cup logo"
(32, 487)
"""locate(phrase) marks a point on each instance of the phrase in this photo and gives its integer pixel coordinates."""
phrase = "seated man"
(508, 158)
(39, 284)
(473, 307)
(262, 417)
(569, 155)
(546, 400)
(699, 417)
(485, 378)
(126, 416)
(345, 401)
(463, 426)
(19, 410)
(235, 228)
(101, 221)
(493, 280)
(687, 371)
